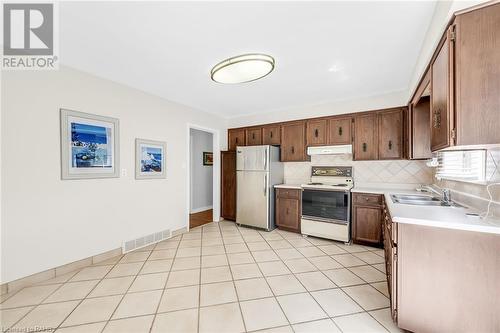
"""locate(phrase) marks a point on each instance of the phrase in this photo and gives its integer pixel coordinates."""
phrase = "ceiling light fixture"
(242, 68)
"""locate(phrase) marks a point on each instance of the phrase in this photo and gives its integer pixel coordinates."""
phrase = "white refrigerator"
(258, 169)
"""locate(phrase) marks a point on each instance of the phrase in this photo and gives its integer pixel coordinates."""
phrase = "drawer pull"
(316, 132)
(364, 146)
(340, 131)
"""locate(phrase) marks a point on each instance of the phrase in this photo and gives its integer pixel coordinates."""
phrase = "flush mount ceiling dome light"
(242, 68)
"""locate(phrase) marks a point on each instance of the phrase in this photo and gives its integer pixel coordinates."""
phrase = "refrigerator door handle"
(265, 185)
(265, 158)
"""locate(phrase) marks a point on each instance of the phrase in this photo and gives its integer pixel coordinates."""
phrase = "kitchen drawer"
(367, 199)
(288, 193)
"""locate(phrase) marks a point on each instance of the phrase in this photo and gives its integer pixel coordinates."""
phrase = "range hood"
(330, 150)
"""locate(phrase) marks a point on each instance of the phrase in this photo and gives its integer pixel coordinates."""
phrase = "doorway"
(201, 175)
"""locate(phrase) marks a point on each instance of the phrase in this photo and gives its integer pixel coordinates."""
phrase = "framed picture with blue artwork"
(150, 159)
(89, 146)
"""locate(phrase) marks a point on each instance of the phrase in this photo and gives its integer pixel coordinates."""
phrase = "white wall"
(47, 222)
(340, 107)
(201, 175)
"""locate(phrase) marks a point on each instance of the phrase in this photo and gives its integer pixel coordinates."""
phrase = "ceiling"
(324, 51)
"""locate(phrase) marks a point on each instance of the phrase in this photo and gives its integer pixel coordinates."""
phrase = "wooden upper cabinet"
(390, 134)
(339, 131)
(293, 142)
(441, 90)
(316, 132)
(271, 135)
(365, 137)
(418, 126)
(254, 136)
(420, 129)
(235, 137)
(477, 76)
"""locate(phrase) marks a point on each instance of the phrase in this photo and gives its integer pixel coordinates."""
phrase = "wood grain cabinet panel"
(390, 135)
(367, 219)
(420, 118)
(339, 131)
(254, 136)
(271, 135)
(288, 209)
(316, 132)
(441, 102)
(235, 137)
(477, 77)
(228, 185)
(293, 142)
(365, 137)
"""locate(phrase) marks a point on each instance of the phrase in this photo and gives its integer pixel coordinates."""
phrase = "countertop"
(433, 216)
(292, 186)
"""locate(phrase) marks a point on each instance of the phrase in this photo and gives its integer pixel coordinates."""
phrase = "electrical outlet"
(124, 172)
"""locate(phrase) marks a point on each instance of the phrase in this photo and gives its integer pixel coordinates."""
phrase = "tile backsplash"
(390, 171)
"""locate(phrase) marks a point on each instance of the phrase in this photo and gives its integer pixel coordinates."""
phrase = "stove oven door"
(326, 205)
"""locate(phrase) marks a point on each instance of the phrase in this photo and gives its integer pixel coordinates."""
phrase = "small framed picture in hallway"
(89, 145)
(208, 158)
(150, 159)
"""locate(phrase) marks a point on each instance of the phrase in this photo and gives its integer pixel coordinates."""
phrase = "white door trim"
(216, 171)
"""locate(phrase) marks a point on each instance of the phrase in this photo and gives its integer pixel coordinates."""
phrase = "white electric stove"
(326, 203)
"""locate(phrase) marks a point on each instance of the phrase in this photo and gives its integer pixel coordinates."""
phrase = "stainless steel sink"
(422, 200)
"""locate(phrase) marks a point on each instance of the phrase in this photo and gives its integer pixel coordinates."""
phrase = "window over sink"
(466, 165)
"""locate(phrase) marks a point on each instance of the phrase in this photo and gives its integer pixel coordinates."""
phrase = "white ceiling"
(324, 51)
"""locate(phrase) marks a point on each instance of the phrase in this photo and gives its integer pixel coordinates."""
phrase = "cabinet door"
(367, 225)
(441, 108)
(420, 129)
(271, 135)
(235, 137)
(254, 136)
(390, 135)
(228, 185)
(293, 142)
(288, 214)
(365, 137)
(477, 66)
(339, 131)
(316, 132)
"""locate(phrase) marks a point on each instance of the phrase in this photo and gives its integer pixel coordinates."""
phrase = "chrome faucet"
(446, 196)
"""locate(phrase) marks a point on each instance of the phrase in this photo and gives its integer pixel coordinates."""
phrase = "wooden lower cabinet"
(391, 262)
(367, 219)
(288, 209)
(228, 185)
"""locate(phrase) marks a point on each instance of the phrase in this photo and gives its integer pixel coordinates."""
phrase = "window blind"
(468, 165)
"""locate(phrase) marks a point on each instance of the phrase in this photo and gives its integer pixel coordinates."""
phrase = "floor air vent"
(146, 240)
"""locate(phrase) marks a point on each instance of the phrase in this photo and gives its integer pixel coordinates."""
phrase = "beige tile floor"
(216, 278)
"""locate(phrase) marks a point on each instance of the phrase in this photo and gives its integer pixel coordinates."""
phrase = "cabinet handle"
(316, 132)
(236, 139)
(293, 150)
(436, 117)
(340, 131)
(271, 134)
(364, 146)
(287, 211)
(390, 144)
(253, 135)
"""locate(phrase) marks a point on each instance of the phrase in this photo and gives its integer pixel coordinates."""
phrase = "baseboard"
(48, 274)
(201, 209)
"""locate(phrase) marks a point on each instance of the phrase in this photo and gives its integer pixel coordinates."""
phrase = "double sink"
(422, 200)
